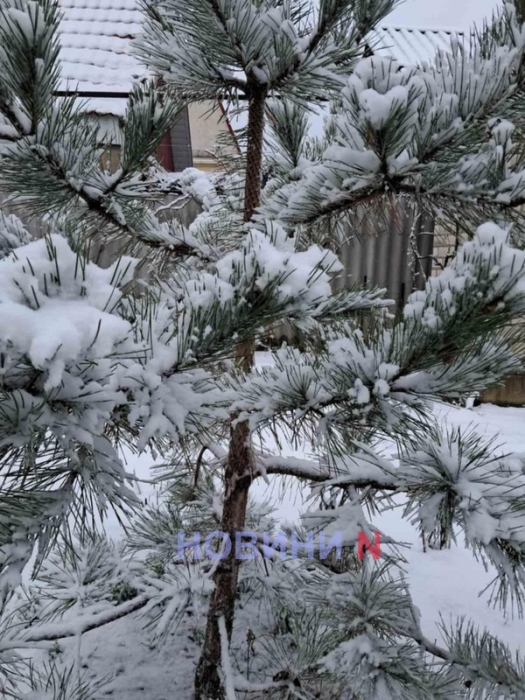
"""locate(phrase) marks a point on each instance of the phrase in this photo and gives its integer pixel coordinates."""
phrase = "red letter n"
(364, 543)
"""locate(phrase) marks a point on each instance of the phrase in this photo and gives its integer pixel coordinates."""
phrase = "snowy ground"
(442, 582)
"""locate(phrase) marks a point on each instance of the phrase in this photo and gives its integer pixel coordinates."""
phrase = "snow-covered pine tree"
(88, 363)
(88, 367)
(394, 132)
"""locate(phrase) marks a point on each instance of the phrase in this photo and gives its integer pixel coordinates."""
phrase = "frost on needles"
(155, 354)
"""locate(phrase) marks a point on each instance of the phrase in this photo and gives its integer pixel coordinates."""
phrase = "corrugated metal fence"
(396, 255)
(394, 252)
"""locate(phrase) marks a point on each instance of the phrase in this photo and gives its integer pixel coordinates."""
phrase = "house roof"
(413, 46)
(95, 37)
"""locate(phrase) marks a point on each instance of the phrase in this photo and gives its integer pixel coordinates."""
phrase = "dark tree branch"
(314, 472)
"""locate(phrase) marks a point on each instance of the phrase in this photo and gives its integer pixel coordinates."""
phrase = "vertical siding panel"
(383, 245)
(371, 258)
(363, 250)
(406, 268)
(425, 249)
(397, 258)
(382, 255)
(346, 259)
(165, 153)
(181, 142)
(390, 245)
(353, 261)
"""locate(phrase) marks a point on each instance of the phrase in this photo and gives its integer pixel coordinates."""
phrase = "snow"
(268, 258)
(489, 247)
(30, 23)
(447, 14)
(378, 108)
(95, 48)
(96, 53)
(433, 103)
(69, 309)
(31, 283)
(95, 36)
(443, 583)
(53, 316)
(12, 233)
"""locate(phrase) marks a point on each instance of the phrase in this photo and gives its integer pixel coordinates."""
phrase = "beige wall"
(207, 126)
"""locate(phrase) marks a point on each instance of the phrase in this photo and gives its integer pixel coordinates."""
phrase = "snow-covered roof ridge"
(423, 30)
(413, 45)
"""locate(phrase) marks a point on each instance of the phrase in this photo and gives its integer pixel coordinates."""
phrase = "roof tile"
(413, 46)
(95, 38)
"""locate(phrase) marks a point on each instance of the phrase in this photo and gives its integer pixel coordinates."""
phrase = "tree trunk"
(240, 468)
(520, 10)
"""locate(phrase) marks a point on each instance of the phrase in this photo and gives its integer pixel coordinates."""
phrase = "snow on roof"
(413, 46)
(95, 36)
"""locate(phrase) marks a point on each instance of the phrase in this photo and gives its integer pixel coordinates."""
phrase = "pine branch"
(364, 147)
(447, 341)
(63, 630)
(393, 188)
(233, 40)
(485, 663)
(315, 472)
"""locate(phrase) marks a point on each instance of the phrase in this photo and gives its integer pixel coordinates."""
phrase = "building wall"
(512, 391)
(207, 125)
(446, 244)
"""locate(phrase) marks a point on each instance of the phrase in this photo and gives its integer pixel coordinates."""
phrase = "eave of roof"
(413, 46)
